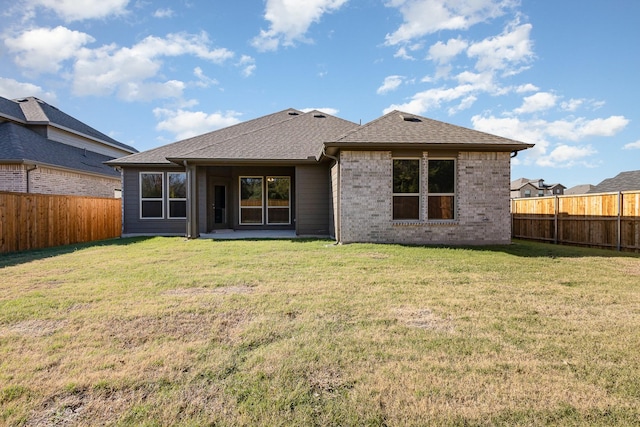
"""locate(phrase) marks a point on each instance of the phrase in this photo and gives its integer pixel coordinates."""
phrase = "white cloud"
(526, 88)
(163, 13)
(567, 156)
(126, 70)
(542, 133)
(44, 49)
(185, 124)
(423, 17)
(77, 10)
(203, 80)
(11, 89)
(432, 98)
(632, 145)
(248, 65)
(538, 102)
(444, 52)
(290, 21)
(503, 52)
(390, 84)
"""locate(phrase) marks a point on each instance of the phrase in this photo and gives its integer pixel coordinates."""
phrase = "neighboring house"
(524, 187)
(43, 150)
(578, 189)
(624, 181)
(401, 178)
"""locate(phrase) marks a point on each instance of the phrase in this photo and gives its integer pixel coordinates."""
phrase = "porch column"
(192, 202)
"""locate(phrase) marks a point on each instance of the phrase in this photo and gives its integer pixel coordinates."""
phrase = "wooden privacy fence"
(607, 220)
(34, 221)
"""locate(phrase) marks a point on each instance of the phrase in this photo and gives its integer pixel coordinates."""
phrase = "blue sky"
(562, 75)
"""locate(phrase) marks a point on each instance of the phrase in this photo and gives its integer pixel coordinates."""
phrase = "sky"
(562, 75)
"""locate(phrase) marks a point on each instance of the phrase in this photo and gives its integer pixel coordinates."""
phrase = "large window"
(151, 195)
(251, 200)
(441, 189)
(177, 194)
(278, 200)
(406, 189)
(265, 199)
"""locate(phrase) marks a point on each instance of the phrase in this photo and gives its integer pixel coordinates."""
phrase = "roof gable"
(398, 127)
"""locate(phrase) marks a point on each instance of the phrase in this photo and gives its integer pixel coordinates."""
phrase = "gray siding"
(313, 195)
(132, 223)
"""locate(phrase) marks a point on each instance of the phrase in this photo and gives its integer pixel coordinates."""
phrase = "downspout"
(337, 213)
(28, 171)
(514, 154)
(189, 199)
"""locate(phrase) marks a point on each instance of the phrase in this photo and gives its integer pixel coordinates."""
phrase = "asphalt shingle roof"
(398, 127)
(32, 110)
(286, 135)
(624, 181)
(21, 145)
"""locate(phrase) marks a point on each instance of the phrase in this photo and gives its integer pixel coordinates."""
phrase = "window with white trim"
(251, 200)
(406, 189)
(177, 187)
(441, 189)
(151, 195)
(278, 200)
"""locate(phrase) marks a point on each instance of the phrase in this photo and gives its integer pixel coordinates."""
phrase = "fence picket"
(606, 220)
(35, 221)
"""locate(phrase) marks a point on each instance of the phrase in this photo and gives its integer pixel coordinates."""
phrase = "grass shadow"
(23, 257)
(532, 249)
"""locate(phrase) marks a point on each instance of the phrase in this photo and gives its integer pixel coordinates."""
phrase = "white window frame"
(418, 194)
(175, 199)
(266, 199)
(454, 194)
(151, 199)
(240, 207)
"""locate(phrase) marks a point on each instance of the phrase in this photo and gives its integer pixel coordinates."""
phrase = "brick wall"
(45, 180)
(482, 201)
(13, 178)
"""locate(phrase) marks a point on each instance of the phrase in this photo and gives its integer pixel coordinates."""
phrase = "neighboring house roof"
(624, 181)
(578, 189)
(291, 135)
(18, 144)
(522, 182)
(401, 129)
(33, 111)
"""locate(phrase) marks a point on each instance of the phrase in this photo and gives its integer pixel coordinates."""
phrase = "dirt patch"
(423, 318)
(223, 290)
(33, 328)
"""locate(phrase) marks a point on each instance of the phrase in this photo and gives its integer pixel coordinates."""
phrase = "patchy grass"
(165, 331)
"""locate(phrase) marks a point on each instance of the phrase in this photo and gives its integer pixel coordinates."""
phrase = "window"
(441, 189)
(527, 193)
(251, 200)
(406, 189)
(151, 195)
(278, 200)
(177, 194)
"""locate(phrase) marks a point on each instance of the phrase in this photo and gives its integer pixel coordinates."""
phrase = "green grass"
(165, 331)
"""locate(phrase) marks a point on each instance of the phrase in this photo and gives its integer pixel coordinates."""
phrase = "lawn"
(165, 331)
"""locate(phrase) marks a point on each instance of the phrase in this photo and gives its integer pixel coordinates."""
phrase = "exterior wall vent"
(293, 113)
(319, 116)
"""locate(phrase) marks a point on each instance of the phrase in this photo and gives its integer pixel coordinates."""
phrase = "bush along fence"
(606, 220)
(35, 221)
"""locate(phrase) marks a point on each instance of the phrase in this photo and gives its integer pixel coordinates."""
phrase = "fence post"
(555, 220)
(619, 238)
